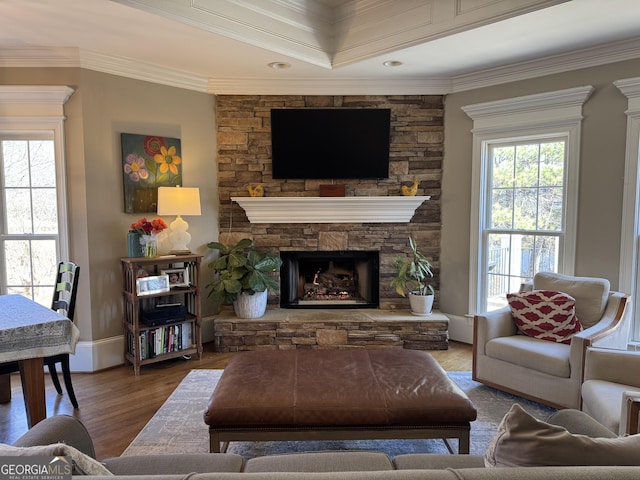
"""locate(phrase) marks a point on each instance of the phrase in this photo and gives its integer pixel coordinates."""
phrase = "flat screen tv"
(330, 143)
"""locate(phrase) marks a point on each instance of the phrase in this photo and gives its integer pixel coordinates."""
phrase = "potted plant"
(243, 276)
(411, 276)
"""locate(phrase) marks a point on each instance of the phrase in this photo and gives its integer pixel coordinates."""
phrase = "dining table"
(29, 332)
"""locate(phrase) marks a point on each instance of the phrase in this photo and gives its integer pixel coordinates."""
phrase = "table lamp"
(179, 201)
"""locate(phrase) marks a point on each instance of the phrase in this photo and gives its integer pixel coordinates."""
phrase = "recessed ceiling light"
(392, 63)
(279, 65)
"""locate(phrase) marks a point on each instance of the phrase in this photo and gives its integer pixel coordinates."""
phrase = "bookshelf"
(161, 312)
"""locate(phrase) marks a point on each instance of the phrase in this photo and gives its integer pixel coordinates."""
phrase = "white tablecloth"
(30, 330)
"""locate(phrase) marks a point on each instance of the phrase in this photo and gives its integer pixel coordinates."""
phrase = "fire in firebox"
(329, 279)
(336, 283)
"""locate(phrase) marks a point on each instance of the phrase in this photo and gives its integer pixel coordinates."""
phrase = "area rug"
(178, 426)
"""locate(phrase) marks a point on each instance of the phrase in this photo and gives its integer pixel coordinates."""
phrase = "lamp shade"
(178, 201)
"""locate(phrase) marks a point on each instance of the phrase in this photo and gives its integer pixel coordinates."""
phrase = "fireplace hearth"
(329, 279)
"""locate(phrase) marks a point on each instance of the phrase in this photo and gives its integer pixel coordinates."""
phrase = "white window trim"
(550, 113)
(37, 109)
(630, 231)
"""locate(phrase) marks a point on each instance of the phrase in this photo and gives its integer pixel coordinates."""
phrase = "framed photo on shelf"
(178, 277)
(151, 285)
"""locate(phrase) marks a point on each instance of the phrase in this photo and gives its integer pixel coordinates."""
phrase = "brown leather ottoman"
(337, 394)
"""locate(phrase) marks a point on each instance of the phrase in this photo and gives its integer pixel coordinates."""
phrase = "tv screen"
(330, 143)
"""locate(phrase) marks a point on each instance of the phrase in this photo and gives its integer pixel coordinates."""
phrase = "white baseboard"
(461, 329)
(92, 356)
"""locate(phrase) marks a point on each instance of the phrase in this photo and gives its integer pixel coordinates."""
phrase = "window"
(524, 193)
(629, 280)
(33, 230)
(30, 233)
(524, 226)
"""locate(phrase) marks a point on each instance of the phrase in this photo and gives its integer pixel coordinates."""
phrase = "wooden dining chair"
(64, 302)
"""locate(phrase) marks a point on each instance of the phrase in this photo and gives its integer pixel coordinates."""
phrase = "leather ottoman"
(337, 394)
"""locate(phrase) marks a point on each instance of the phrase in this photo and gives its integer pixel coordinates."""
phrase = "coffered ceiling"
(320, 46)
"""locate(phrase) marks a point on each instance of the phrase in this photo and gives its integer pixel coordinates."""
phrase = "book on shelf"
(163, 340)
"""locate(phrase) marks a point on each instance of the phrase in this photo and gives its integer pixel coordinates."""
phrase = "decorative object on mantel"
(332, 190)
(243, 277)
(411, 275)
(256, 191)
(142, 238)
(410, 191)
(148, 161)
(365, 209)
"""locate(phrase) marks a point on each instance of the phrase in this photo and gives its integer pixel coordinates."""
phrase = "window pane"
(18, 211)
(525, 208)
(504, 260)
(502, 209)
(44, 262)
(550, 216)
(503, 165)
(552, 164)
(45, 211)
(43, 165)
(527, 165)
(17, 254)
(16, 163)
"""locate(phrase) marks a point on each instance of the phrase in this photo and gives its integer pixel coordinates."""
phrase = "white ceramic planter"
(251, 306)
(421, 305)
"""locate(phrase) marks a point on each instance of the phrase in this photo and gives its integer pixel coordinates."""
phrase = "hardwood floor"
(115, 404)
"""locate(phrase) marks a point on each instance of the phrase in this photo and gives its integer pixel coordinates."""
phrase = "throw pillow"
(545, 314)
(524, 441)
(82, 464)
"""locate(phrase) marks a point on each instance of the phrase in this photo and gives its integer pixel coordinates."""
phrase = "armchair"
(540, 370)
(611, 388)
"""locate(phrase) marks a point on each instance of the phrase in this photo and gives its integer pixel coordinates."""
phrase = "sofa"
(68, 434)
(548, 372)
(611, 388)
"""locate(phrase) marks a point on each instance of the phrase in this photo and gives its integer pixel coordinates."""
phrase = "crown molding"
(54, 57)
(39, 57)
(126, 67)
(43, 94)
(585, 58)
(340, 86)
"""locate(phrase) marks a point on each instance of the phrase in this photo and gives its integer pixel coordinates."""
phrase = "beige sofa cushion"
(346, 461)
(524, 441)
(546, 357)
(591, 294)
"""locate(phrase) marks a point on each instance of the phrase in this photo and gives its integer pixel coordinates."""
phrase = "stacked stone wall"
(416, 151)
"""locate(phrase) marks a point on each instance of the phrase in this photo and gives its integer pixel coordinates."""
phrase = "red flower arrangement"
(148, 227)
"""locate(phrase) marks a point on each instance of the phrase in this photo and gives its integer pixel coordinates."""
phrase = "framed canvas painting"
(148, 162)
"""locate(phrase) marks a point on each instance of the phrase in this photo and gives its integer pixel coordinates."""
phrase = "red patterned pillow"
(545, 314)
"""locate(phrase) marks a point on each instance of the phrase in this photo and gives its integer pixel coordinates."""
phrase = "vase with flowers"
(142, 239)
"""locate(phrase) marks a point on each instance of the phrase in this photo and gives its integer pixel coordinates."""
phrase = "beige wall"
(602, 158)
(102, 107)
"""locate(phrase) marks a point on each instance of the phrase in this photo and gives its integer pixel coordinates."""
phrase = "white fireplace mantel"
(330, 209)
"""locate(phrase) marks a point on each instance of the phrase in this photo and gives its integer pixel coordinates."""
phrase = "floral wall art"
(148, 162)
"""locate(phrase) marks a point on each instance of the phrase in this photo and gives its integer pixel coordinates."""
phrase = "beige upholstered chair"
(547, 372)
(611, 388)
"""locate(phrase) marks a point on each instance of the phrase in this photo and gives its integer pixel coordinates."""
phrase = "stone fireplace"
(416, 150)
(329, 279)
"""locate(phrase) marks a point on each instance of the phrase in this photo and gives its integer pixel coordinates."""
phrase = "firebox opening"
(338, 279)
